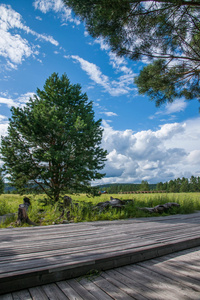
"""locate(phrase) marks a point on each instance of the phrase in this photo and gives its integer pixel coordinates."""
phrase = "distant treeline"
(118, 188)
(180, 185)
(173, 186)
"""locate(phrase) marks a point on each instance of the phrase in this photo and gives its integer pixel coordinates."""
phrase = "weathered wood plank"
(183, 280)
(69, 291)
(140, 281)
(108, 262)
(181, 270)
(163, 285)
(40, 263)
(53, 292)
(134, 289)
(6, 297)
(191, 264)
(69, 247)
(22, 295)
(81, 290)
(61, 251)
(148, 291)
(94, 290)
(111, 289)
(38, 293)
(87, 249)
(38, 231)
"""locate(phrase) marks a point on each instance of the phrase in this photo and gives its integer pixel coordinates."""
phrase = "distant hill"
(8, 188)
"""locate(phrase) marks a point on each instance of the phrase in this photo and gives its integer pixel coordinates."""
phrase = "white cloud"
(86, 33)
(194, 157)
(19, 101)
(189, 138)
(152, 155)
(118, 63)
(3, 130)
(25, 97)
(102, 43)
(113, 87)
(109, 113)
(57, 6)
(3, 127)
(3, 118)
(9, 102)
(176, 106)
(169, 130)
(13, 47)
(38, 18)
(124, 84)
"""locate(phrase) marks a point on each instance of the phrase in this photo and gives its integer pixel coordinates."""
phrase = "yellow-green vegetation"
(83, 207)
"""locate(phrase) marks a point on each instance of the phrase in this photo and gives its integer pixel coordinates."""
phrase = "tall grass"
(83, 207)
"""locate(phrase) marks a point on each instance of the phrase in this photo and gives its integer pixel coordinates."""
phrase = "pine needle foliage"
(53, 142)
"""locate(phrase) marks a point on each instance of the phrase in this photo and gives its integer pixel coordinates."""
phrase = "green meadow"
(83, 207)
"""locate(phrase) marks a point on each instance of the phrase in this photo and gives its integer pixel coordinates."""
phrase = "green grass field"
(84, 210)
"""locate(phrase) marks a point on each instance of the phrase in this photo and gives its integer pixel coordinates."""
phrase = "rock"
(113, 203)
(160, 208)
(171, 204)
(147, 209)
(103, 204)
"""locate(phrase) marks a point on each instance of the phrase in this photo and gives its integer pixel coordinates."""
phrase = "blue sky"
(40, 37)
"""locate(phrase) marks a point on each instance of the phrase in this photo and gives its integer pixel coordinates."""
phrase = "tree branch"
(42, 188)
(187, 3)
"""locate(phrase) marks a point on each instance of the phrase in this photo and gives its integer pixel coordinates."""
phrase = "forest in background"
(181, 185)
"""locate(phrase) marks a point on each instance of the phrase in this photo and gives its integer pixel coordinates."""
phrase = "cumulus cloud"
(13, 47)
(3, 125)
(25, 97)
(194, 157)
(3, 130)
(3, 118)
(9, 102)
(152, 155)
(57, 6)
(17, 102)
(113, 87)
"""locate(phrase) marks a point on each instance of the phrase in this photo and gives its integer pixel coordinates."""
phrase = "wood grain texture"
(35, 256)
(148, 280)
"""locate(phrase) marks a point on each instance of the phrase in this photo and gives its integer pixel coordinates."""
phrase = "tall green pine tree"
(53, 142)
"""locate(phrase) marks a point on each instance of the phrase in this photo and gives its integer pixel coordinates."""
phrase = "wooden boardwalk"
(171, 277)
(41, 255)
